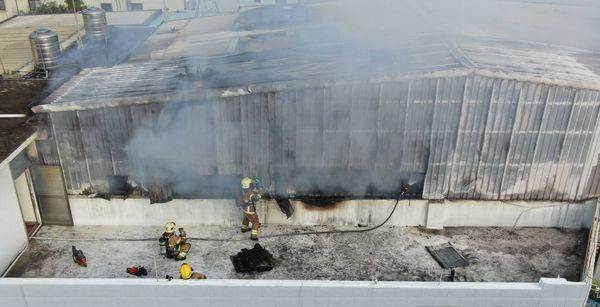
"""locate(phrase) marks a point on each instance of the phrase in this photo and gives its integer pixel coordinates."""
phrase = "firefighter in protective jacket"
(176, 245)
(251, 196)
(169, 229)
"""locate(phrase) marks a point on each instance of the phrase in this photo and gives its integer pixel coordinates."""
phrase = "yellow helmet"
(246, 183)
(185, 271)
(170, 227)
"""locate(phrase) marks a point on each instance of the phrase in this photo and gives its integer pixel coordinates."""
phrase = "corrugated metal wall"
(468, 137)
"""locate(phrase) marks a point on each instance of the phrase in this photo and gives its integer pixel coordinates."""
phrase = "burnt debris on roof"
(15, 99)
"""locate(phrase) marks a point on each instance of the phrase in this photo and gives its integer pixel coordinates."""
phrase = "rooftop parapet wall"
(434, 215)
(147, 292)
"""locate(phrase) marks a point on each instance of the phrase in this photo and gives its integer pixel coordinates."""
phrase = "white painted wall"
(267, 293)
(24, 197)
(12, 227)
(14, 7)
(224, 6)
(138, 211)
(121, 5)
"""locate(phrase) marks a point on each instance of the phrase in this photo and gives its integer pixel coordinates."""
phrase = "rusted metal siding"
(67, 134)
(579, 141)
(444, 135)
(228, 136)
(549, 141)
(496, 138)
(469, 140)
(591, 174)
(526, 127)
(468, 137)
(255, 124)
(522, 140)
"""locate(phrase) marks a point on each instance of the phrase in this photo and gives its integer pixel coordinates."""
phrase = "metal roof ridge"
(53, 104)
(529, 77)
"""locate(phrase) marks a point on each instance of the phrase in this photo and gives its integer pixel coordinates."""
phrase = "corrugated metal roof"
(132, 81)
(552, 22)
(152, 81)
(540, 62)
(15, 50)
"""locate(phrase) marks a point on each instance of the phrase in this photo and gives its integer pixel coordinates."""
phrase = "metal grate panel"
(447, 256)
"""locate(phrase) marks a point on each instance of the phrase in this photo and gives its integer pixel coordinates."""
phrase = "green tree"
(79, 6)
(50, 7)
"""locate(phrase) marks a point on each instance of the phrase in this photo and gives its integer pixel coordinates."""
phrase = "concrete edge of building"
(11, 221)
(430, 214)
(19, 149)
(154, 292)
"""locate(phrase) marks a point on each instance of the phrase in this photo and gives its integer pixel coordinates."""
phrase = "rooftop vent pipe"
(94, 21)
(45, 48)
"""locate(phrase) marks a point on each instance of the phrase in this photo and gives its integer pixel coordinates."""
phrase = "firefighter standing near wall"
(251, 196)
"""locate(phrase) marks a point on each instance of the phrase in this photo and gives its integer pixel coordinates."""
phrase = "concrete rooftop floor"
(388, 253)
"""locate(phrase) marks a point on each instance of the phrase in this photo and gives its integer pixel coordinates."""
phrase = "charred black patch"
(320, 203)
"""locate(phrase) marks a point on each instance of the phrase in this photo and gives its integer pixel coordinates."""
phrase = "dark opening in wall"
(119, 185)
(306, 183)
(207, 186)
(106, 7)
(136, 6)
(160, 193)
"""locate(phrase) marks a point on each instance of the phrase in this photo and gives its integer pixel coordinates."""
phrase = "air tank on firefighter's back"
(45, 49)
(94, 22)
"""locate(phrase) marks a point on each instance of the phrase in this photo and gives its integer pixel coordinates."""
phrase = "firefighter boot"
(251, 216)
(182, 251)
(245, 224)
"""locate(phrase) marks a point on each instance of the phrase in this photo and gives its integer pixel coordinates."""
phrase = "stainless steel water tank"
(94, 21)
(45, 48)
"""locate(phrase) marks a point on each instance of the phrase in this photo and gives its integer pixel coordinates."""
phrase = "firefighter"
(251, 196)
(169, 229)
(187, 272)
(177, 247)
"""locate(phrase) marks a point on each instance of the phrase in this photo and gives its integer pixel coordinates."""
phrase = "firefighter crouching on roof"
(169, 229)
(187, 272)
(176, 245)
(251, 196)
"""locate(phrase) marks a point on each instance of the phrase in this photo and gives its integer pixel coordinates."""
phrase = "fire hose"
(290, 234)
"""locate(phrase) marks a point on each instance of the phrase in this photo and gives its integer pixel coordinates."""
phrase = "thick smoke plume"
(345, 40)
(181, 149)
